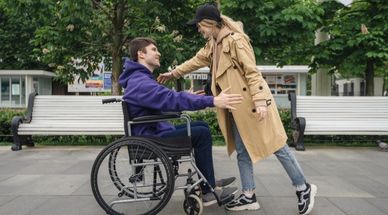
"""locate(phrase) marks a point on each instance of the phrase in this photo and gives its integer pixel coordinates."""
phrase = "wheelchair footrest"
(226, 199)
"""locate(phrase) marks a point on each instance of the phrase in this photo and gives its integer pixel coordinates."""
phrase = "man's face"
(205, 31)
(151, 56)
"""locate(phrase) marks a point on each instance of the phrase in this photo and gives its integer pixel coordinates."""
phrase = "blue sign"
(107, 80)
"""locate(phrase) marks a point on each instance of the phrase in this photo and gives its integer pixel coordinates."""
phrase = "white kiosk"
(290, 78)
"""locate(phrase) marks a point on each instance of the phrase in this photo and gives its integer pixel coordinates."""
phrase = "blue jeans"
(284, 155)
(202, 143)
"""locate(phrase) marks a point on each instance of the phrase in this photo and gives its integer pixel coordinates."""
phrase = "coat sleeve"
(242, 53)
(152, 95)
(201, 59)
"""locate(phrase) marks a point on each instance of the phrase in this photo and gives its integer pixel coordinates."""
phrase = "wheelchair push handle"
(110, 100)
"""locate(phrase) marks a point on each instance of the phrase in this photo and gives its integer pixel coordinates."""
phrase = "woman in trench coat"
(254, 129)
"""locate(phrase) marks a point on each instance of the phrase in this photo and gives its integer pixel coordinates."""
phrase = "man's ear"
(140, 54)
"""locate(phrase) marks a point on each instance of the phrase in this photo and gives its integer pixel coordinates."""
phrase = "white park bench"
(67, 115)
(333, 115)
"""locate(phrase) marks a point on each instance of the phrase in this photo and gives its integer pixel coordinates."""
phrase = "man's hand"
(225, 100)
(164, 77)
(261, 110)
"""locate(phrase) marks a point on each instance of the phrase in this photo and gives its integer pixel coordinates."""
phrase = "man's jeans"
(202, 144)
(284, 155)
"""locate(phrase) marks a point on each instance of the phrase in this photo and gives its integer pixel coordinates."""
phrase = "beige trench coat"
(237, 69)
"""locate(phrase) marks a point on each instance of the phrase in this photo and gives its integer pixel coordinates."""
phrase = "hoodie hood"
(130, 67)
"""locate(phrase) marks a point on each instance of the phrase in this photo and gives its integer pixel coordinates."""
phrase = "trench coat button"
(244, 89)
(232, 33)
(253, 110)
(235, 67)
(261, 87)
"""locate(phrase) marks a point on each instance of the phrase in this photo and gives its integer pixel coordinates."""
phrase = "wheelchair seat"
(174, 146)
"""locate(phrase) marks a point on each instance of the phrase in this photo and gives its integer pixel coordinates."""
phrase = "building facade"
(16, 85)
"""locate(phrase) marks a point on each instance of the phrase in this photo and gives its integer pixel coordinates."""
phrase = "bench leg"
(16, 146)
(298, 141)
(17, 142)
(298, 134)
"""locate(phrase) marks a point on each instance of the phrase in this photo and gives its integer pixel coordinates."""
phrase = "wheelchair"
(137, 175)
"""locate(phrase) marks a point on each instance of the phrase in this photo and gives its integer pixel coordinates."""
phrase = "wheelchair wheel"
(137, 176)
(132, 176)
(193, 205)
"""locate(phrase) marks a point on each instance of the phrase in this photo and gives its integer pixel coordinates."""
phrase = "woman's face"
(206, 31)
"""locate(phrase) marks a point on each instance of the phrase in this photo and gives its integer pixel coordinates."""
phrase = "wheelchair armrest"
(160, 118)
(157, 117)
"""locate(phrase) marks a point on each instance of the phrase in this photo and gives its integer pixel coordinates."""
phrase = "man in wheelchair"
(147, 97)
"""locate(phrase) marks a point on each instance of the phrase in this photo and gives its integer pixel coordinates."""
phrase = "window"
(12, 91)
(5, 92)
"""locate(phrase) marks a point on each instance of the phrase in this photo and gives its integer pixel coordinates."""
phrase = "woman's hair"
(139, 44)
(235, 26)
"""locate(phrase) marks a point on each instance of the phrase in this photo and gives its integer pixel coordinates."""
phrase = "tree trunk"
(117, 41)
(369, 78)
(116, 71)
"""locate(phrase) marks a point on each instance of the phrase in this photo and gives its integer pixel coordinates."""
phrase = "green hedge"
(6, 116)
(208, 116)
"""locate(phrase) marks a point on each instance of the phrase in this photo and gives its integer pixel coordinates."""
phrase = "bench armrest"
(292, 99)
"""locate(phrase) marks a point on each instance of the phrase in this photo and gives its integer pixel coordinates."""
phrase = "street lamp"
(321, 81)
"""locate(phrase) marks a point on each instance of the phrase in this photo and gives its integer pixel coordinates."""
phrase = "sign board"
(99, 82)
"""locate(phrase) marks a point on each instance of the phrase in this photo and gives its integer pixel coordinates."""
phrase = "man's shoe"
(243, 203)
(306, 199)
(225, 182)
(209, 198)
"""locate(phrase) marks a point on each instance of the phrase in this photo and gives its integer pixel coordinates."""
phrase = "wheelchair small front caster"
(193, 205)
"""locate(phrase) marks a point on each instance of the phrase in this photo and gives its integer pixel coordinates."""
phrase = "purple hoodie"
(145, 96)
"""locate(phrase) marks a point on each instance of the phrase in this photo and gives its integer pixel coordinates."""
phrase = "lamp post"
(321, 80)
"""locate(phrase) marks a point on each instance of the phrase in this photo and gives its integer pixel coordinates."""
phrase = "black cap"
(206, 11)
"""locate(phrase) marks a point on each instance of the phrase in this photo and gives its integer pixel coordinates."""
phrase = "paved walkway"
(55, 180)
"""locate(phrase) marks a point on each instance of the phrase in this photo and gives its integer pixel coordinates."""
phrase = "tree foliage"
(358, 44)
(17, 27)
(71, 37)
(281, 30)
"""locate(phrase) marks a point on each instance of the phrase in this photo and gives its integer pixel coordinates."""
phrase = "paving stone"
(369, 185)
(65, 205)
(23, 205)
(6, 199)
(356, 206)
(380, 203)
(49, 180)
(335, 186)
(43, 184)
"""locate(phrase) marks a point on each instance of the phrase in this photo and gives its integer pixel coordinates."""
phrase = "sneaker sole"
(314, 190)
(250, 207)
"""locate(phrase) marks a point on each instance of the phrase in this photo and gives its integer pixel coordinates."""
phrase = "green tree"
(358, 43)
(17, 27)
(281, 30)
(84, 32)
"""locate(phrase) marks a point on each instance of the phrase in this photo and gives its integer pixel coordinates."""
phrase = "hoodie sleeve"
(150, 94)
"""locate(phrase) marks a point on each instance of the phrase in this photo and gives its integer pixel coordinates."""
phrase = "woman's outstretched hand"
(226, 101)
(164, 77)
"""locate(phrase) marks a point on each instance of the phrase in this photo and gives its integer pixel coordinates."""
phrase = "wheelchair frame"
(192, 204)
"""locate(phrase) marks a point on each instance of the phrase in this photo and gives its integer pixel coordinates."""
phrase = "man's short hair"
(139, 44)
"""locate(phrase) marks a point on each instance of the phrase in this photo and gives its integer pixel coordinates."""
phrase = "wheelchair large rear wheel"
(132, 176)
